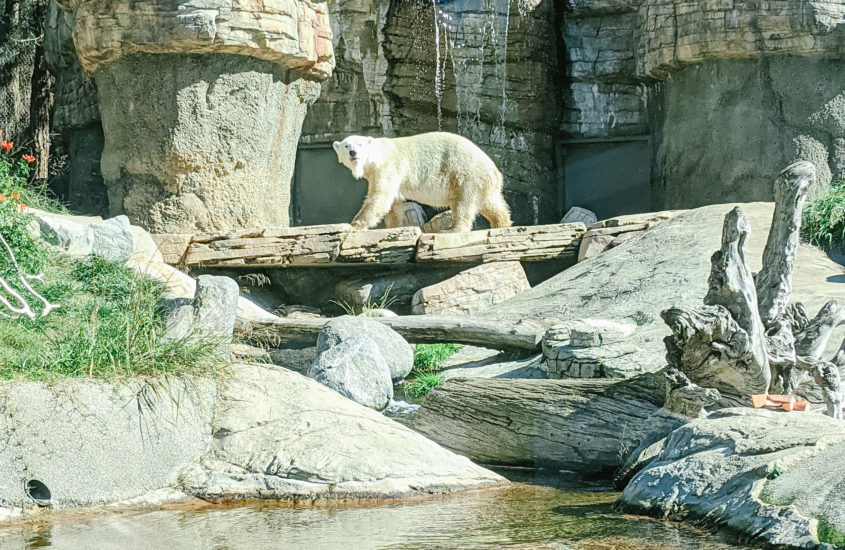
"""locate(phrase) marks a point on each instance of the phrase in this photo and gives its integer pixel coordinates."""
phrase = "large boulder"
(664, 267)
(396, 352)
(280, 435)
(355, 369)
(773, 475)
(91, 443)
(262, 432)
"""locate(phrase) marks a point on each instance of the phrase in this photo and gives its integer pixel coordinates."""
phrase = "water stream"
(520, 516)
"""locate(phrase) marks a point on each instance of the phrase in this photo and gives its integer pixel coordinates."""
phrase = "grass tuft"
(422, 384)
(830, 534)
(823, 222)
(110, 325)
(428, 359)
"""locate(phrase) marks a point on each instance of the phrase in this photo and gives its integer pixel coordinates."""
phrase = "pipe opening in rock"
(38, 492)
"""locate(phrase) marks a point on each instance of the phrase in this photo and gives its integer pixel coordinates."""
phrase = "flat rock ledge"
(774, 476)
(262, 433)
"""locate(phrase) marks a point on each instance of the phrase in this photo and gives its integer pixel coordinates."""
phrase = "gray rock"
(92, 443)
(664, 267)
(280, 435)
(216, 307)
(112, 239)
(210, 316)
(356, 369)
(396, 352)
(578, 214)
(263, 432)
(72, 237)
(770, 474)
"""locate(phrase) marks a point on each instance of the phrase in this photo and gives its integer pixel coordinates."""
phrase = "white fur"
(438, 169)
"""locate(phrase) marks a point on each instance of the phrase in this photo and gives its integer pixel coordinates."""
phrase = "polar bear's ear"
(336, 145)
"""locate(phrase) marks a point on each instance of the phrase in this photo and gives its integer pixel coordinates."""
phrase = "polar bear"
(437, 169)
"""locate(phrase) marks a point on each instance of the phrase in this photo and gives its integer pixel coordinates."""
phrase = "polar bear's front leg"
(373, 210)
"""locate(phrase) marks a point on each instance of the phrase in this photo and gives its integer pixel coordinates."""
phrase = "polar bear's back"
(432, 164)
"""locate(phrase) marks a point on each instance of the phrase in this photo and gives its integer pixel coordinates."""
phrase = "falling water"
(464, 30)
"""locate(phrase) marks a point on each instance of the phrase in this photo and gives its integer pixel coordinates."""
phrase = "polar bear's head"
(352, 152)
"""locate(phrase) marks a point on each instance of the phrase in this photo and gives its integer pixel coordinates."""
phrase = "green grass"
(110, 325)
(383, 302)
(830, 534)
(422, 384)
(823, 222)
(428, 359)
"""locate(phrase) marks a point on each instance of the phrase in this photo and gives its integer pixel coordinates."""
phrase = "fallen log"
(416, 329)
(586, 426)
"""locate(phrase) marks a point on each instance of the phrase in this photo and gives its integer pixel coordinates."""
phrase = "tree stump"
(747, 339)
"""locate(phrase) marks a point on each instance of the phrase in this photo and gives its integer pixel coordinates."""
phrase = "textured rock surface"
(208, 142)
(397, 353)
(206, 145)
(264, 432)
(667, 266)
(355, 368)
(294, 35)
(592, 348)
(683, 74)
(334, 448)
(472, 290)
(612, 232)
(769, 474)
(587, 427)
(92, 443)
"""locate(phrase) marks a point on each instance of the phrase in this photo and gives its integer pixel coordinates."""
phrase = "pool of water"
(519, 516)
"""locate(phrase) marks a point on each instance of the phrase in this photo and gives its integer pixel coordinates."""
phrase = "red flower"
(6, 145)
(29, 158)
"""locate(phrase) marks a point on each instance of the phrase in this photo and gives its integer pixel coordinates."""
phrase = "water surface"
(519, 516)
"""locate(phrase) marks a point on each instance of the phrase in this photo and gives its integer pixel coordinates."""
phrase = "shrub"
(424, 383)
(823, 221)
(429, 357)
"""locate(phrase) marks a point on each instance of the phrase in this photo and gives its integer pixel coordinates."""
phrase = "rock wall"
(195, 141)
(486, 69)
(76, 118)
(729, 92)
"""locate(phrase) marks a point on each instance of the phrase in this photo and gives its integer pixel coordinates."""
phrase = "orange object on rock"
(800, 406)
(758, 401)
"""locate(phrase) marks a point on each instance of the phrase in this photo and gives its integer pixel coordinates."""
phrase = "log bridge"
(339, 244)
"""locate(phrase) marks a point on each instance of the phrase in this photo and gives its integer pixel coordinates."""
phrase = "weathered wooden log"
(774, 281)
(587, 426)
(722, 345)
(416, 329)
(811, 339)
(826, 375)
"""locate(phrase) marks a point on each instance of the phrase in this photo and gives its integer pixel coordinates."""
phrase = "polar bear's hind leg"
(496, 212)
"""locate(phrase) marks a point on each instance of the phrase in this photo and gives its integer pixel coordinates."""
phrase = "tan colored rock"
(472, 290)
(524, 243)
(440, 223)
(317, 244)
(383, 246)
(172, 246)
(612, 232)
(293, 34)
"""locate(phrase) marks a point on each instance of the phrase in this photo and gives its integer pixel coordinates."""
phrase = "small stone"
(578, 214)
(397, 353)
(112, 239)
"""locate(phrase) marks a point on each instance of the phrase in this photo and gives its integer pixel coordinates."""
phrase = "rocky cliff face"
(729, 91)
(201, 104)
(486, 69)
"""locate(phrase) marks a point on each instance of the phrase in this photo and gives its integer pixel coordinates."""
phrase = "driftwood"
(416, 329)
(586, 426)
(747, 339)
